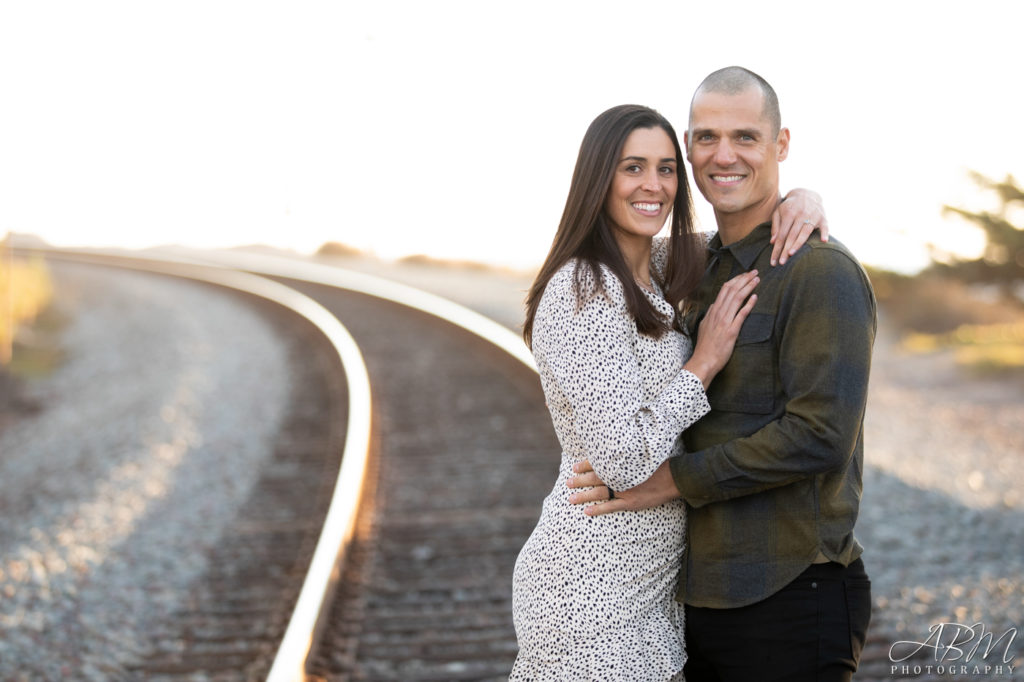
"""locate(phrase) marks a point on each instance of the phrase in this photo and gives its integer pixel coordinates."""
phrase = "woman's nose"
(652, 182)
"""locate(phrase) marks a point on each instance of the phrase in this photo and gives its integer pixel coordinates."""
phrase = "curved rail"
(223, 268)
(339, 525)
(379, 287)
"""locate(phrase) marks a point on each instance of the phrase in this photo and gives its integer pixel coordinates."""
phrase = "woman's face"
(644, 185)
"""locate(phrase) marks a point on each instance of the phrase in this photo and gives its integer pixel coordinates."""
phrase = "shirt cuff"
(687, 398)
(693, 477)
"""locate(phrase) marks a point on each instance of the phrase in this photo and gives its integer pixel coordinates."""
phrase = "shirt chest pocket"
(747, 383)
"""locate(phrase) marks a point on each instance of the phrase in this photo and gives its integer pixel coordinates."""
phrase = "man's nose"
(725, 155)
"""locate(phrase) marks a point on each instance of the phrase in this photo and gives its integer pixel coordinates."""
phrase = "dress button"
(814, 585)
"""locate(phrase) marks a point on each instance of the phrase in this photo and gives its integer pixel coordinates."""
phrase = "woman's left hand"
(793, 222)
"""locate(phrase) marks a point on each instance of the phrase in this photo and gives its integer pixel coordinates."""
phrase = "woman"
(593, 595)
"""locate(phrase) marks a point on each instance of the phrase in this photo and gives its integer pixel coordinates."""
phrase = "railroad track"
(462, 453)
(417, 585)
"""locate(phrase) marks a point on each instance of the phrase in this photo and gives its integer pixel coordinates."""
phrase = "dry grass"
(986, 348)
(338, 249)
(932, 304)
(984, 328)
(25, 291)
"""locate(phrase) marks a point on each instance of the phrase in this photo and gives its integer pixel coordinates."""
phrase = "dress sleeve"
(587, 356)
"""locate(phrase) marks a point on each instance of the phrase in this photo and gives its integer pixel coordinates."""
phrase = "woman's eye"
(667, 170)
(632, 168)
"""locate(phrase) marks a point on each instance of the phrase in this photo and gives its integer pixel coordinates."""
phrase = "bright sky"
(451, 128)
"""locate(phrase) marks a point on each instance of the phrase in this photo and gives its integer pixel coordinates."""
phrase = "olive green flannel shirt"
(772, 475)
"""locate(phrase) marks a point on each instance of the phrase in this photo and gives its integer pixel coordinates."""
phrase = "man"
(772, 578)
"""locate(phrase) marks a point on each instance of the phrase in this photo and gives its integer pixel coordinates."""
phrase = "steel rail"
(378, 287)
(310, 612)
(329, 555)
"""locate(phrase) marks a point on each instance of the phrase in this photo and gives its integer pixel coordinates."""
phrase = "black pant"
(811, 630)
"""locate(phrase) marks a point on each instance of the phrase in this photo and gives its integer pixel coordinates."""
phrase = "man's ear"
(782, 143)
(686, 145)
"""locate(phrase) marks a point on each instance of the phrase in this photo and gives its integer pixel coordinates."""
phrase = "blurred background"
(451, 128)
(448, 130)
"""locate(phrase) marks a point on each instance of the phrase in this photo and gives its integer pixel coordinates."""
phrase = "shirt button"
(814, 585)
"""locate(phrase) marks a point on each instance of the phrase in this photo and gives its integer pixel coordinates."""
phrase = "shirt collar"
(746, 250)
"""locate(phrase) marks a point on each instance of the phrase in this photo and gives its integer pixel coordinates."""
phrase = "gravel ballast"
(149, 437)
(99, 527)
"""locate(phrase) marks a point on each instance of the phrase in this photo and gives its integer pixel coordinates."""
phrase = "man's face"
(734, 155)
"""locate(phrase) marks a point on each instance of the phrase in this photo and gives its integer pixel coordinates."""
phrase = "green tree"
(1002, 262)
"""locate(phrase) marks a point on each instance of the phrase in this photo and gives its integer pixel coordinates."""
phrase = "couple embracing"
(708, 396)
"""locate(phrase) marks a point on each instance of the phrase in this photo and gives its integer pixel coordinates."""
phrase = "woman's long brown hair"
(585, 231)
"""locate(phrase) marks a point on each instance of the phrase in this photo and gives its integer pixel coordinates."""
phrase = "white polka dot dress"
(593, 597)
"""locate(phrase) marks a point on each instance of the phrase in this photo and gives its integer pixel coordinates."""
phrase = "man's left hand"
(654, 492)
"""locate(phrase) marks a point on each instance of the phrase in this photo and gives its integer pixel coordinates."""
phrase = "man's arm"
(655, 491)
(824, 359)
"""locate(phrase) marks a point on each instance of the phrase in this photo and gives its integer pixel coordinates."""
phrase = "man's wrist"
(675, 466)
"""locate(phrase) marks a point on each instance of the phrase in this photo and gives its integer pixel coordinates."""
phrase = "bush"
(337, 249)
(25, 290)
(932, 304)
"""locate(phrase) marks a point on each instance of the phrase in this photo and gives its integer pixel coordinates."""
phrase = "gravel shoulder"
(112, 493)
(942, 517)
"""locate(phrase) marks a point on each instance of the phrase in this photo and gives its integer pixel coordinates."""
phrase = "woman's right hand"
(721, 325)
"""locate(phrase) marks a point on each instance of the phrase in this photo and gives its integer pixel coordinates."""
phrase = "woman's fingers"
(744, 311)
(793, 232)
(793, 221)
(721, 325)
(733, 295)
(797, 236)
(787, 220)
(747, 285)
